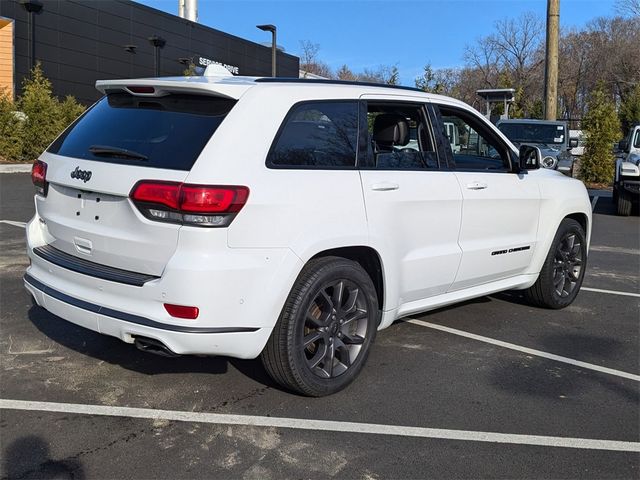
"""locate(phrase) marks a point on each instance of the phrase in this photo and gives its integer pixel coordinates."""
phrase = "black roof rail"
(328, 81)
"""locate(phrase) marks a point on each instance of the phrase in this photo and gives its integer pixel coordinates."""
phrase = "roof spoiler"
(160, 87)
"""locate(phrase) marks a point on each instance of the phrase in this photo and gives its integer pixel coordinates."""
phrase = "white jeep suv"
(290, 219)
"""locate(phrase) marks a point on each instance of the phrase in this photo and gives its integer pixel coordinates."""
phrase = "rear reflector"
(39, 177)
(181, 311)
(200, 205)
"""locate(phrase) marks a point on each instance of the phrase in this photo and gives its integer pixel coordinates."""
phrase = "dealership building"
(78, 42)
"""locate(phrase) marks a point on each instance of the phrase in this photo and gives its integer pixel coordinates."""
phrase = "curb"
(16, 168)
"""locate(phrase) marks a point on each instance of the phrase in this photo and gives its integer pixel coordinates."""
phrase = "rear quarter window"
(164, 132)
(317, 135)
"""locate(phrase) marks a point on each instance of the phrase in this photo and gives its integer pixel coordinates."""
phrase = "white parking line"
(527, 350)
(324, 425)
(611, 292)
(593, 202)
(15, 224)
(607, 249)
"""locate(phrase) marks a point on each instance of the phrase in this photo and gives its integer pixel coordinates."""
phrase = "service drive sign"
(205, 62)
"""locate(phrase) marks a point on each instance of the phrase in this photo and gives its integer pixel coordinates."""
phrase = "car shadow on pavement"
(29, 458)
(114, 351)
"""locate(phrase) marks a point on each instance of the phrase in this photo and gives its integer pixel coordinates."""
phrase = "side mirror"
(623, 146)
(573, 143)
(529, 157)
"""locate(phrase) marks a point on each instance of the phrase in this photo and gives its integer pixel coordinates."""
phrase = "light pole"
(33, 7)
(158, 43)
(272, 29)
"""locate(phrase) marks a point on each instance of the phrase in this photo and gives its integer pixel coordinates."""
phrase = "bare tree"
(388, 74)
(483, 58)
(442, 81)
(310, 61)
(511, 57)
(628, 8)
(345, 73)
(516, 44)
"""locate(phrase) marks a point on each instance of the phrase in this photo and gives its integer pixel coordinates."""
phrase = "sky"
(370, 33)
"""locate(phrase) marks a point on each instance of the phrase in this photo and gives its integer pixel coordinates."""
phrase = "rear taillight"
(198, 205)
(39, 177)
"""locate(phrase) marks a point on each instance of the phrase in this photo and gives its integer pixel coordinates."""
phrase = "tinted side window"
(317, 135)
(399, 137)
(161, 132)
(473, 145)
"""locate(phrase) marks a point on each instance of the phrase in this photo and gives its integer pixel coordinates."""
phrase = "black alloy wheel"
(322, 338)
(567, 264)
(335, 328)
(563, 270)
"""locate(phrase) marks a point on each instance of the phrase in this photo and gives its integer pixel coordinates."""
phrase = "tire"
(563, 270)
(614, 196)
(334, 306)
(624, 204)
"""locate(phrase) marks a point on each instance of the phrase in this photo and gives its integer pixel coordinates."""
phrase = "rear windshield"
(533, 132)
(164, 132)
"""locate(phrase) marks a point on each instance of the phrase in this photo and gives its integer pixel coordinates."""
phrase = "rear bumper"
(237, 310)
(242, 342)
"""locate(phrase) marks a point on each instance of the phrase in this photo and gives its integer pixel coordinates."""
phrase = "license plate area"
(96, 207)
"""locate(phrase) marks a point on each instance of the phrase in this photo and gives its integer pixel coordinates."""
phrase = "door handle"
(476, 186)
(384, 186)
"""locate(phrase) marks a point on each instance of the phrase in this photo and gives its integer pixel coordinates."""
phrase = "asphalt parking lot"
(505, 391)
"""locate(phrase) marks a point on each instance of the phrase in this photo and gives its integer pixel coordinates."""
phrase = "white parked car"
(290, 219)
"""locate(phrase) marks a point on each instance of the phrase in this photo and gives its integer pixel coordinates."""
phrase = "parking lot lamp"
(158, 43)
(272, 29)
(33, 7)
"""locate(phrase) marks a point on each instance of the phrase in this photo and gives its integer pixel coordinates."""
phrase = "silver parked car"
(552, 137)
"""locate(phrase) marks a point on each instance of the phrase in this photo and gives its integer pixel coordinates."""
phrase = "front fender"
(560, 197)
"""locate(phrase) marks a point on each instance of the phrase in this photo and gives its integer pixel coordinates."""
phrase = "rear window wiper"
(116, 152)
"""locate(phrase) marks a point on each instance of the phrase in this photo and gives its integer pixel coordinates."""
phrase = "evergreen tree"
(10, 130)
(43, 123)
(30, 124)
(69, 110)
(630, 109)
(602, 128)
(394, 76)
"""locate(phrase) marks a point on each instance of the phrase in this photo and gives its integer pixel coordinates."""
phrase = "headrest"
(391, 129)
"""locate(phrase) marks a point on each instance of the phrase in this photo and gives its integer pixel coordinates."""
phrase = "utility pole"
(551, 61)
